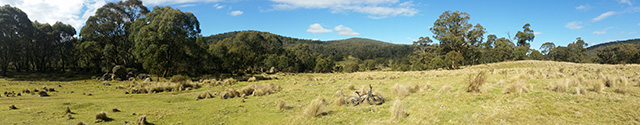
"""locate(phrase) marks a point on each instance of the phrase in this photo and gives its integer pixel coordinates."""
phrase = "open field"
(530, 92)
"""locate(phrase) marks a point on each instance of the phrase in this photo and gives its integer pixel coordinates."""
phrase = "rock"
(13, 107)
(118, 72)
(142, 120)
(42, 94)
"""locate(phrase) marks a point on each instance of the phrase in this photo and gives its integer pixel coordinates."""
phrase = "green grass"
(541, 105)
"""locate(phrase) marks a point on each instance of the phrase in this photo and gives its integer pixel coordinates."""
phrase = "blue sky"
(395, 21)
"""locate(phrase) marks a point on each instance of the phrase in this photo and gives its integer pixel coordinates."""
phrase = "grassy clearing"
(522, 92)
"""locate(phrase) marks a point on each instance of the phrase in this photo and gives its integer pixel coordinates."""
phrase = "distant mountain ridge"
(361, 48)
(635, 41)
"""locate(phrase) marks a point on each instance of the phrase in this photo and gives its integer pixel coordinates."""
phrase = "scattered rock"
(67, 110)
(68, 116)
(142, 120)
(102, 117)
(42, 94)
(13, 107)
(115, 110)
(82, 123)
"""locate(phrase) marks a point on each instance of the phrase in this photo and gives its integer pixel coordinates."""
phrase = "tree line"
(166, 41)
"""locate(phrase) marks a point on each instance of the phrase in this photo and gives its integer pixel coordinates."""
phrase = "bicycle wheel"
(375, 100)
(352, 101)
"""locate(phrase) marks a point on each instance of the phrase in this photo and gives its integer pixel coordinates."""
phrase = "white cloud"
(583, 7)
(603, 31)
(343, 30)
(604, 16)
(537, 33)
(638, 24)
(317, 28)
(218, 6)
(187, 5)
(376, 9)
(626, 2)
(412, 39)
(574, 25)
(73, 12)
(236, 13)
(151, 3)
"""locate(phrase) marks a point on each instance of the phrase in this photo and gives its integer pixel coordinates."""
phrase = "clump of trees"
(166, 41)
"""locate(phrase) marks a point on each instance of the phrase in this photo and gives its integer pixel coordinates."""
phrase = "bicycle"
(371, 98)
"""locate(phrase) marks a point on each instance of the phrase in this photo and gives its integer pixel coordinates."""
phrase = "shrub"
(316, 108)
(397, 110)
(180, 78)
(476, 81)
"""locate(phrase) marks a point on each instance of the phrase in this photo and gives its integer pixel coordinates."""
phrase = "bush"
(397, 110)
(316, 108)
(180, 78)
(476, 81)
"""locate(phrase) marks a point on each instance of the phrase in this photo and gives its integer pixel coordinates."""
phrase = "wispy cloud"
(317, 28)
(603, 31)
(343, 30)
(412, 39)
(236, 13)
(537, 33)
(583, 7)
(187, 5)
(604, 16)
(151, 3)
(376, 9)
(574, 25)
(626, 2)
(218, 6)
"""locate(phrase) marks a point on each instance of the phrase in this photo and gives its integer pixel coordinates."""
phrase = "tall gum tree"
(165, 40)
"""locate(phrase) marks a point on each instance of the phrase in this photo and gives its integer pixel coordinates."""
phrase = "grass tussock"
(157, 87)
(397, 110)
(282, 105)
(401, 90)
(561, 86)
(476, 81)
(339, 98)
(517, 88)
(204, 95)
(316, 108)
(229, 93)
(597, 86)
(445, 88)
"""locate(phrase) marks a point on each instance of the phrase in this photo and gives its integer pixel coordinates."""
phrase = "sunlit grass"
(521, 92)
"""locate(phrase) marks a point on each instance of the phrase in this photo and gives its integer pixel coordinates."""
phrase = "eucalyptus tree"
(109, 29)
(165, 41)
(15, 29)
